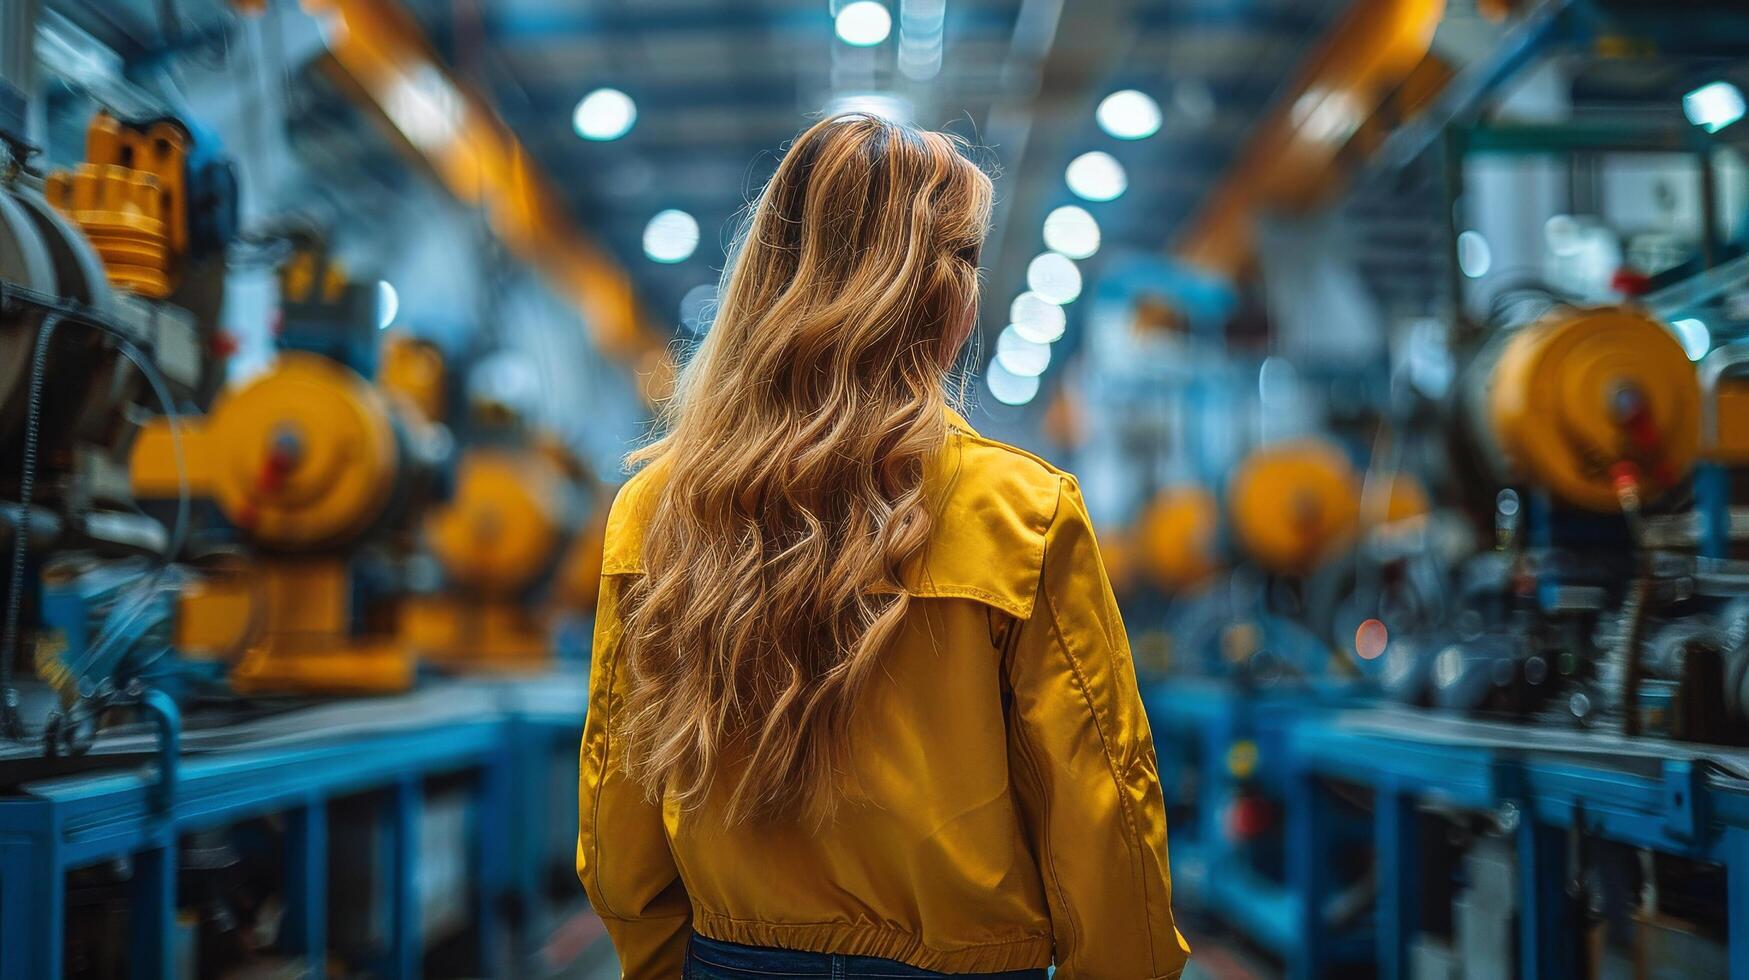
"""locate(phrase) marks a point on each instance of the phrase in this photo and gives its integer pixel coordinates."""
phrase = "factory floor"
(583, 943)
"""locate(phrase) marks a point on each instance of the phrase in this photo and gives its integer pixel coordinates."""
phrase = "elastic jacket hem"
(866, 939)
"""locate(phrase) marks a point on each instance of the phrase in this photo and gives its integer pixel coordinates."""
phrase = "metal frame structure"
(55, 825)
(1678, 805)
(1198, 725)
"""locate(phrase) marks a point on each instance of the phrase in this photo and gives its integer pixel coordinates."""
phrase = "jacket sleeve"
(623, 856)
(1084, 762)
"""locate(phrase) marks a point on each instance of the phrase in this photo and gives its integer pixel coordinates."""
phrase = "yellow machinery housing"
(1294, 503)
(413, 370)
(1588, 404)
(304, 460)
(1392, 497)
(505, 530)
(130, 197)
(1179, 538)
(578, 583)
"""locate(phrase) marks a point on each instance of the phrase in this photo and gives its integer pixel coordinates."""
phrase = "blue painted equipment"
(510, 748)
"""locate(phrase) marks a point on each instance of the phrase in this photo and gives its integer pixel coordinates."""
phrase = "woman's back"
(864, 692)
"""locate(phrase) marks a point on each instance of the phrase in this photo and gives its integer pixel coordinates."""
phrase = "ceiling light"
(864, 23)
(920, 38)
(880, 105)
(388, 304)
(671, 236)
(1036, 318)
(1072, 231)
(1022, 357)
(1008, 387)
(1128, 115)
(604, 114)
(1714, 106)
(1054, 277)
(1096, 176)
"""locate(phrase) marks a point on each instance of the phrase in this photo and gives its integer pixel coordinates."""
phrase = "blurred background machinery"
(1401, 347)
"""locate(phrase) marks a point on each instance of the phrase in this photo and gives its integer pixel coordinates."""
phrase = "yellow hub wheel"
(1581, 391)
(502, 528)
(1178, 538)
(1293, 503)
(308, 454)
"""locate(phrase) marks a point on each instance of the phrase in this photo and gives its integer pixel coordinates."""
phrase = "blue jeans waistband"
(711, 959)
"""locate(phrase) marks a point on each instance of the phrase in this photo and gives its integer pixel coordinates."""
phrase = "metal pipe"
(167, 718)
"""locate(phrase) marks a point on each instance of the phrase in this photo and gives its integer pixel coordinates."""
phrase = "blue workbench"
(1200, 724)
(1684, 800)
(499, 736)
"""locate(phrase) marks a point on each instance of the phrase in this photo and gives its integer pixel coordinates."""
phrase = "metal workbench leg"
(1308, 844)
(1737, 899)
(529, 765)
(152, 913)
(306, 862)
(1219, 734)
(33, 902)
(1397, 868)
(406, 948)
(493, 857)
(1548, 933)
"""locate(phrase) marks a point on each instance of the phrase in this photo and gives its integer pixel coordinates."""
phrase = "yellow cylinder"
(304, 455)
(503, 526)
(1294, 503)
(1581, 391)
(1178, 538)
(1392, 497)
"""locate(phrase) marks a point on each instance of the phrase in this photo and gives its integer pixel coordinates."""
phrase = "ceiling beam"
(380, 56)
(1294, 152)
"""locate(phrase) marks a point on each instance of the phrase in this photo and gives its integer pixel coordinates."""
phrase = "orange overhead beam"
(1289, 159)
(386, 58)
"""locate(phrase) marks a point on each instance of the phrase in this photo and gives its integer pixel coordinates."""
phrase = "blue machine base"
(502, 738)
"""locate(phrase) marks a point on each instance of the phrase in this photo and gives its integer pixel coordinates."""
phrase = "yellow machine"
(506, 529)
(1294, 503)
(130, 197)
(578, 583)
(304, 460)
(1390, 498)
(115, 272)
(1179, 538)
(1728, 443)
(413, 371)
(1600, 407)
(1117, 552)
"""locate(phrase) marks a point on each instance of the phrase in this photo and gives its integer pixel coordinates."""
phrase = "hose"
(11, 723)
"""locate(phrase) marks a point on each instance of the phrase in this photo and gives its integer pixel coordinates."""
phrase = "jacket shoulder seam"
(1012, 450)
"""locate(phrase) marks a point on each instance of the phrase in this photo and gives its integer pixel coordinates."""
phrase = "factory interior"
(1400, 349)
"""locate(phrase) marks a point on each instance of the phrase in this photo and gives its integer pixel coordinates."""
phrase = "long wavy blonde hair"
(793, 464)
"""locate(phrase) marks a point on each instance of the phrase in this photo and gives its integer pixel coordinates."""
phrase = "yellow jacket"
(1006, 810)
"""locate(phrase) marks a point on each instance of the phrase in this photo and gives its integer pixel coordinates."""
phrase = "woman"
(861, 703)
